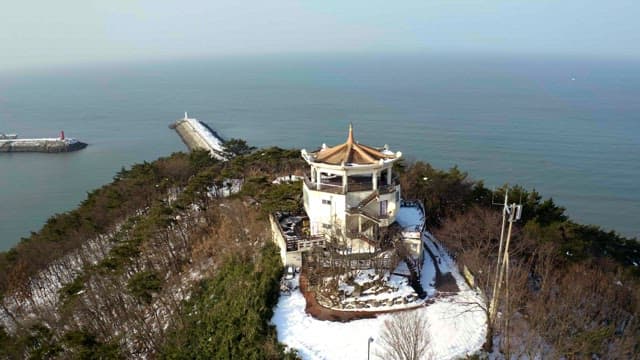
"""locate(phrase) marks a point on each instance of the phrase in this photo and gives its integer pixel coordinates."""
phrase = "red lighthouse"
(61, 134)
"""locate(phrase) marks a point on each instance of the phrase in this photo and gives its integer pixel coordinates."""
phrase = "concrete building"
(351, 193)
(352, 200)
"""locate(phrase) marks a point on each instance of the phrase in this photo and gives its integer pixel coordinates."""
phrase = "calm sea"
(569, 128)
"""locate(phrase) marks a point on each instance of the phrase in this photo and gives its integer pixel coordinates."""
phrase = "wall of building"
(294, 258)
(323, 215)
(278, 238)
(287, 257)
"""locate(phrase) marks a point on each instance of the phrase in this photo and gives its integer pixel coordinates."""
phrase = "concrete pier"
(197, 135)
(45, 145)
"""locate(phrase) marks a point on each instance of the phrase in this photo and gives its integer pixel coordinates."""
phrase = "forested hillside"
(574, 289)
(120, 275)
(173, 260)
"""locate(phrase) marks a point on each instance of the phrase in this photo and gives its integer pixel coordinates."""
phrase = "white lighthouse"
(351, 193)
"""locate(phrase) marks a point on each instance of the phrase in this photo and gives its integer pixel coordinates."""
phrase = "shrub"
(143, 285)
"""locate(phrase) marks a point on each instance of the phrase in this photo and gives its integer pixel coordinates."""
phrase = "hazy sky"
(43, 33)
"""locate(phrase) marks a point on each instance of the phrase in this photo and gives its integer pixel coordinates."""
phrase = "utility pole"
(510, 213)
(494, 298)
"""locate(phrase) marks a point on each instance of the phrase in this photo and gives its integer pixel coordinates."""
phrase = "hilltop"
(174, 259)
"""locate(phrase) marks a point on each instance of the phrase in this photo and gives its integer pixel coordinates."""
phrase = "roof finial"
(350, 138)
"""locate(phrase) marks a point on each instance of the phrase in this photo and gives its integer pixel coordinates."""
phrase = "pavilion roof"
(351, 152)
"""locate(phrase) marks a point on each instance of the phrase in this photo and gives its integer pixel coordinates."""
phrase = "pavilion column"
(345, 181)
(389, 176)
(318, 178)
(374, 179)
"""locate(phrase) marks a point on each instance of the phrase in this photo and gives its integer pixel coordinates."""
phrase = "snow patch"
(410, 217)
(287, 179)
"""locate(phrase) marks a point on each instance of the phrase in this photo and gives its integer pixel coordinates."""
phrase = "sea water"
(568, 128)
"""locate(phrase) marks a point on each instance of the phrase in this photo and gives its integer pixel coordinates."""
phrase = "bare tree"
(405, 337)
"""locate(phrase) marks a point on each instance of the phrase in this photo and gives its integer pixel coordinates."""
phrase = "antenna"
(506, 189)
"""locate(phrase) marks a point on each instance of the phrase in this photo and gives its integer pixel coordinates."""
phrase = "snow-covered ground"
(410, 218)
(392, 292)
(228, 188)
(457, 325)
(287, 179)
(42, 293)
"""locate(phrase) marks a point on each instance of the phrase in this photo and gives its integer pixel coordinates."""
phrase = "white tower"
(350, 192)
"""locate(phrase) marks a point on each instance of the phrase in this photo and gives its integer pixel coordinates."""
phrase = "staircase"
(359, 209)
(405, 255)
(369, 216)
(367, 200)
(368, 241)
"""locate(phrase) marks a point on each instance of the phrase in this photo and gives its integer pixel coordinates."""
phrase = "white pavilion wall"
(323, 215)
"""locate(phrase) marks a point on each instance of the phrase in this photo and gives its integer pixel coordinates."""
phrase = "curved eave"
(308, 157)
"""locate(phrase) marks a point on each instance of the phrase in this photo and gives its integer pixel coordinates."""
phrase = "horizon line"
(306, 54)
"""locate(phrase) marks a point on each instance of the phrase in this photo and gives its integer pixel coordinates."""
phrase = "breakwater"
(197, 135)
(46, 145)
